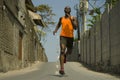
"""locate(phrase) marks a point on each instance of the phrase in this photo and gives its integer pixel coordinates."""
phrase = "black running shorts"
(68, 42)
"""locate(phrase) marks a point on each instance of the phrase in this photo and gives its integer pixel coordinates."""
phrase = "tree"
(46, 13)
(112, 2)
(95, 13)
(47, 16)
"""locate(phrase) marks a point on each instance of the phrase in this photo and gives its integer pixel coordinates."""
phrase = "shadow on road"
(93, 68)
(58, 75)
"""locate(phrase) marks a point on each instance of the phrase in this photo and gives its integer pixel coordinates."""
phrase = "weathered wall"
(100, 46)
(115, 37)
(19, 43)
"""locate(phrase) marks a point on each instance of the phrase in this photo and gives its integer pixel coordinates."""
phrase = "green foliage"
(43, 8)
(75, 39)
(112, 2)
(42, 33)
(46, 13)
(90, 25)
(95, 12)
(91, 21)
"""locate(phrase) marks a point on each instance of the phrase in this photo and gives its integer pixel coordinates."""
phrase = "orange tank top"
(67, 28)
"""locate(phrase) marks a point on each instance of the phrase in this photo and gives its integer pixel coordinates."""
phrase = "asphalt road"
(49, 71)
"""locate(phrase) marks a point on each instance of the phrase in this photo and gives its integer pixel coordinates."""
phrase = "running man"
(69, 23)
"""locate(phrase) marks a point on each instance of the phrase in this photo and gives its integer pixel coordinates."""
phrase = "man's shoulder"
(61, 18)
(73, 17)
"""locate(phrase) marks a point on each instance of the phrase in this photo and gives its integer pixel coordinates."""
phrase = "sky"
(51, 44)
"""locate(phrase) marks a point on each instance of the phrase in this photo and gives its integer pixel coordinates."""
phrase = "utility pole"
(83, 10)
(78, 29)
(77, 13)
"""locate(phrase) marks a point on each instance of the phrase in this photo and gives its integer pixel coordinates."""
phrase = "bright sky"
(52, 44)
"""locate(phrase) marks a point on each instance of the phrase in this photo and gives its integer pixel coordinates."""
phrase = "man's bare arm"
(57, 27)
(74, 22)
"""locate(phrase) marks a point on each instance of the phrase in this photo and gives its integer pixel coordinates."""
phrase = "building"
(19, 42)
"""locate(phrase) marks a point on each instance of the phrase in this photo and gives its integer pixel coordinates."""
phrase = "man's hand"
(69, 16)
(73, 21)
(54, 32)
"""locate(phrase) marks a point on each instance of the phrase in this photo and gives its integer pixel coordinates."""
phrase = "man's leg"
(62, 53)
(69, 46)
(69, 51)
(62, 56)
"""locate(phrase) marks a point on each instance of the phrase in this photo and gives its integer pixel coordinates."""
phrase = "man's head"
(67, 9)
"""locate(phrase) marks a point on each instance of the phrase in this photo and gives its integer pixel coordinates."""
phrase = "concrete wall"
(100, 46)
(19, 43)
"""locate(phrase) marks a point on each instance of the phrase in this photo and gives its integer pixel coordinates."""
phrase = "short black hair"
(67, 7)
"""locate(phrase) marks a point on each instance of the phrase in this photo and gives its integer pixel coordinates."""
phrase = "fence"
(100, 46)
